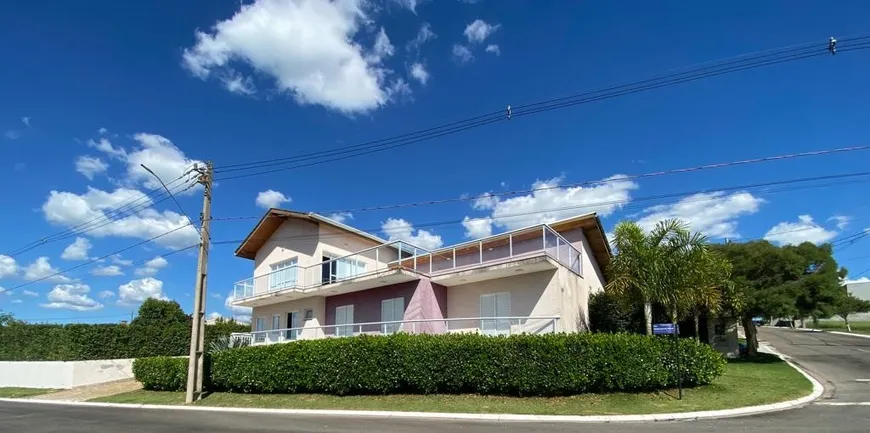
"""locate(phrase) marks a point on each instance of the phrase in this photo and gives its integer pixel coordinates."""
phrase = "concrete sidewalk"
(89, 392)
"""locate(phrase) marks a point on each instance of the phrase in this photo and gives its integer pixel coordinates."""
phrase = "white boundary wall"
(63, 374)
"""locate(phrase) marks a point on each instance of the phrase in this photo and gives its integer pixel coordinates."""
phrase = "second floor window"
(283, 275)
(341, 269)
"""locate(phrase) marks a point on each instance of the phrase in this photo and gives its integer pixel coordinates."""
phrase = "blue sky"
(90, 93)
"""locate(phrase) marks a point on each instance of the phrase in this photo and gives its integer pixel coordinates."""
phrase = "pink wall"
(422, 300)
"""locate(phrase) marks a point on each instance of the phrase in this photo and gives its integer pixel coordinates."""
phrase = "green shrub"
(555, 364)
(161, 373)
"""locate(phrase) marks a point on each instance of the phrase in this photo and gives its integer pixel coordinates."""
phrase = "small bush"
(161, 373)
(522, 365)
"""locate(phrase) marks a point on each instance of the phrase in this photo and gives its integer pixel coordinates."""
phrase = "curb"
(850, 334)
(818, 389)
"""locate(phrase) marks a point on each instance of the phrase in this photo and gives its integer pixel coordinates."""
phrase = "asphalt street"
(837, 360)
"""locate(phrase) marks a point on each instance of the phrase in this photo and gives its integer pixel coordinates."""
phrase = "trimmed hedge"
(161, 373)
(27, 342)
(522, 365)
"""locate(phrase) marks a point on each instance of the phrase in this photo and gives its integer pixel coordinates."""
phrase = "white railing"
(483, 325)
(402, 255)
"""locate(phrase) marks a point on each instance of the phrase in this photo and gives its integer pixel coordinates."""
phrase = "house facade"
(315, 278)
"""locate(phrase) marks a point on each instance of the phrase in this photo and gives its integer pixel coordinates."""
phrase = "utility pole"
(197, 329)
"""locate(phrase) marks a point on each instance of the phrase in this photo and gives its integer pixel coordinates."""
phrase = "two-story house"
(315, 277)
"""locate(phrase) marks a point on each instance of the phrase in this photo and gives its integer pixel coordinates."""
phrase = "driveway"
(837, 359)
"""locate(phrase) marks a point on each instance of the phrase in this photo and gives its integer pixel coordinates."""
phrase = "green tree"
(7, 319)
(847, 305)
(156, 312)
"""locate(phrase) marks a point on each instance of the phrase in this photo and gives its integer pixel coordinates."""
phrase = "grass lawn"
(22, 392)
(839, 325)
(745, 383)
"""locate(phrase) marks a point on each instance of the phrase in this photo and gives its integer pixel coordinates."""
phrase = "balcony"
(481, 325)
(398, 262)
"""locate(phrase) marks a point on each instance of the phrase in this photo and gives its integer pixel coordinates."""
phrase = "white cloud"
(107, 271)
(26, 121)
(306, 46)
(94, 210)
(151, 267)
(30, 293)
(341, 216)
(8, 266)
(105, 146)
(42, 270)
(240, 314)
(13, 134)
(399, 88)
(842, 221)
(89, 166)
(78, 250)
(401, 230)
(163, 158)
(714, 214)
(795, 233)
(479, 30)
(476, 228)
(382, 48)
(424, 35)
(102, 131)
(549, 202)
(462, 54)
(138, 291)
(106, 294)
(72, 297)
(16, 301)
(270, 198)
(116, 259)
(418, 71)
(235, 83)
(411, 5)
(213, 316)
(493, 48)
(857, 281)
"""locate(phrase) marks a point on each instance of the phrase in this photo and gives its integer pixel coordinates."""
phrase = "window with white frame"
(334, 269)
(392, 310)
(344, 320)
(276, 325)
(293, 324)
(259, 327)
(493, 306)
(283, 275)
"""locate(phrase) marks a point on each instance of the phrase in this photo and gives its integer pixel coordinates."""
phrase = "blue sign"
(664, 329)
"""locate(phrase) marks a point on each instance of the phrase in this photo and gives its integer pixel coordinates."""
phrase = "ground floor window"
(259, 327)
(344, 316)
(392, 310)
(493, 306)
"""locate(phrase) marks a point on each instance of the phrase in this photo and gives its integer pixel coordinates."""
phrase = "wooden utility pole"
(197, 329)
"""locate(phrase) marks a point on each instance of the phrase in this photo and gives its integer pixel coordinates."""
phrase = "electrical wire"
(454, 127)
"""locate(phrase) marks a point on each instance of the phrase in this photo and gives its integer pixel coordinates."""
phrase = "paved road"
(837, 359)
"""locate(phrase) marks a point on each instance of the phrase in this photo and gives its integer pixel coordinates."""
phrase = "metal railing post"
(480, 247)
(511, 245)
(454, 258)
(544, 238)
(415, 258)
(414, 327)
(557, 249)
(377, 258)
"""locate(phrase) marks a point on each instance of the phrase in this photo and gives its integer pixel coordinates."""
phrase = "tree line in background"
(681, 276)
(159, 328)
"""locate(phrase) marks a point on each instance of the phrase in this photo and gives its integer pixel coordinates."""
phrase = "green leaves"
(521, 365)
(161, 373)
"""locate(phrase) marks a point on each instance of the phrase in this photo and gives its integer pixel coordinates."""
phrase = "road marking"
(862, 380)
(862, 350)
(857, 403)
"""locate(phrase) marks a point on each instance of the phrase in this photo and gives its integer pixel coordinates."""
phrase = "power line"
(180, 207)
(454, 127)
(617, 202)
(95, 260)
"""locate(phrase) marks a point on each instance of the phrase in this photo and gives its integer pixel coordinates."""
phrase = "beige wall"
(316, 303)
(591, 271)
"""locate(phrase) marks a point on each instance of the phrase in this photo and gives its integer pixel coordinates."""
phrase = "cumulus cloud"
(424, 35)
(715, 214)
(841, 221)
(418, 71)
(105, 294)
(152, 267)
(479, 30)
(164, 158)
(42, 270)
(89, 166)
(138, 291)
(8, 266)
(271, 198)
(493, 48)
(78, 250)
(401, 230)
(30, 293)
(341, 216)
(240, 314)
(72, 297)
(798, 232)
(462, 54)
(107, 271)
(71, 210)
(549, 202)
(476, 228)
(214, 316)
(306, 46)
(106, 146)
(118, 260)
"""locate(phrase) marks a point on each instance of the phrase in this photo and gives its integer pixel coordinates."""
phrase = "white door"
(293, 323)
(259, 327)
(493, 306)
(344, 316)
(392, 310)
